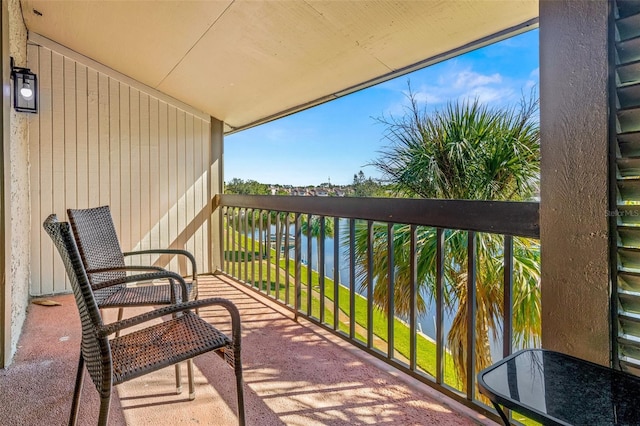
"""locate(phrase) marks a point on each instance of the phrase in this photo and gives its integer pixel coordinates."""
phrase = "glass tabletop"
(554, 388)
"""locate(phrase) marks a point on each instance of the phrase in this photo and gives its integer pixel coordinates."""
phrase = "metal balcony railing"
(340, 263)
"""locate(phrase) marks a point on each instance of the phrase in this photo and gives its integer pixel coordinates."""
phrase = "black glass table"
(558, 389)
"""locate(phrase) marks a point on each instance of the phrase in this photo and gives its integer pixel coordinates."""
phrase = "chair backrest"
(95, 350)
(97, 242)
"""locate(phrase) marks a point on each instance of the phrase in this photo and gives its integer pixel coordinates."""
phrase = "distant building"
(300, 192)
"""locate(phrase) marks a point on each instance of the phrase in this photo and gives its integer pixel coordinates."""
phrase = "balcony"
(295, 373)
(126, 144)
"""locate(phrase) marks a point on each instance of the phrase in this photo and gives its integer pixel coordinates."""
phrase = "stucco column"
(5, 290)
(15, 211)
(574, 178)
(216, 187)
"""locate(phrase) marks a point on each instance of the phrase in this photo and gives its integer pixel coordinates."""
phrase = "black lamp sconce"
(25, 89)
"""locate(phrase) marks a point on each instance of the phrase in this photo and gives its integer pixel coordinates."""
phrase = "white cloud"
(535, 73)
(486, 95)
(452, 83)
(396, 109)
(455, 82)
(468, 79)
(534, 78)
(427, 97)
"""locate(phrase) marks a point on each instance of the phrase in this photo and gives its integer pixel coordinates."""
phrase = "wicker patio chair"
(104, 261)
(111, 362)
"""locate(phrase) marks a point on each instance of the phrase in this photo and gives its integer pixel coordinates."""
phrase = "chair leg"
(178, 373)
(120, 315)
(104, 409)
(192, 387)
(77, 390)
(178, 380)
(240, 392)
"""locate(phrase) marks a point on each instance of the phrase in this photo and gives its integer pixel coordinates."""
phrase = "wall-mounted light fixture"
(25, 89)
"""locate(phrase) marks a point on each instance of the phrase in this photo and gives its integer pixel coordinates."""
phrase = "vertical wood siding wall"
(98, 141)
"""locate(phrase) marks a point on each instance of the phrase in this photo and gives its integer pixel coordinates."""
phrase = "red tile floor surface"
(295, 374)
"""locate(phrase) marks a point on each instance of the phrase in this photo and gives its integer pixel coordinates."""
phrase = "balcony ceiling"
(245, 62)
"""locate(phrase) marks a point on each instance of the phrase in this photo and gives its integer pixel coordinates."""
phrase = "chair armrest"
(168, 251)
(111, 328)
(147, 277)
(125, 268)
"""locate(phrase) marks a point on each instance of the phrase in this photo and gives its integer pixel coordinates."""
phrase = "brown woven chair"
(104, 261)
(111, 362)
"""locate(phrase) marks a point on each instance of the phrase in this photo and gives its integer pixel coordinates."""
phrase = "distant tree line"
(248, 187)
(362, 186)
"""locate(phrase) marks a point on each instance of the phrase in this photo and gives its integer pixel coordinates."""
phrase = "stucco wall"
(17, 190)
(574, 178)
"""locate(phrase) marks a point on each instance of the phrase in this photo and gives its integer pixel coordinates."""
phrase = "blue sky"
(336, 140)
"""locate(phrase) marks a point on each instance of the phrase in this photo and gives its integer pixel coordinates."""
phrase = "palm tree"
(464, 151)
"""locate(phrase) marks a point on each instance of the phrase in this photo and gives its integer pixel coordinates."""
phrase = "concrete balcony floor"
(295, 374)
